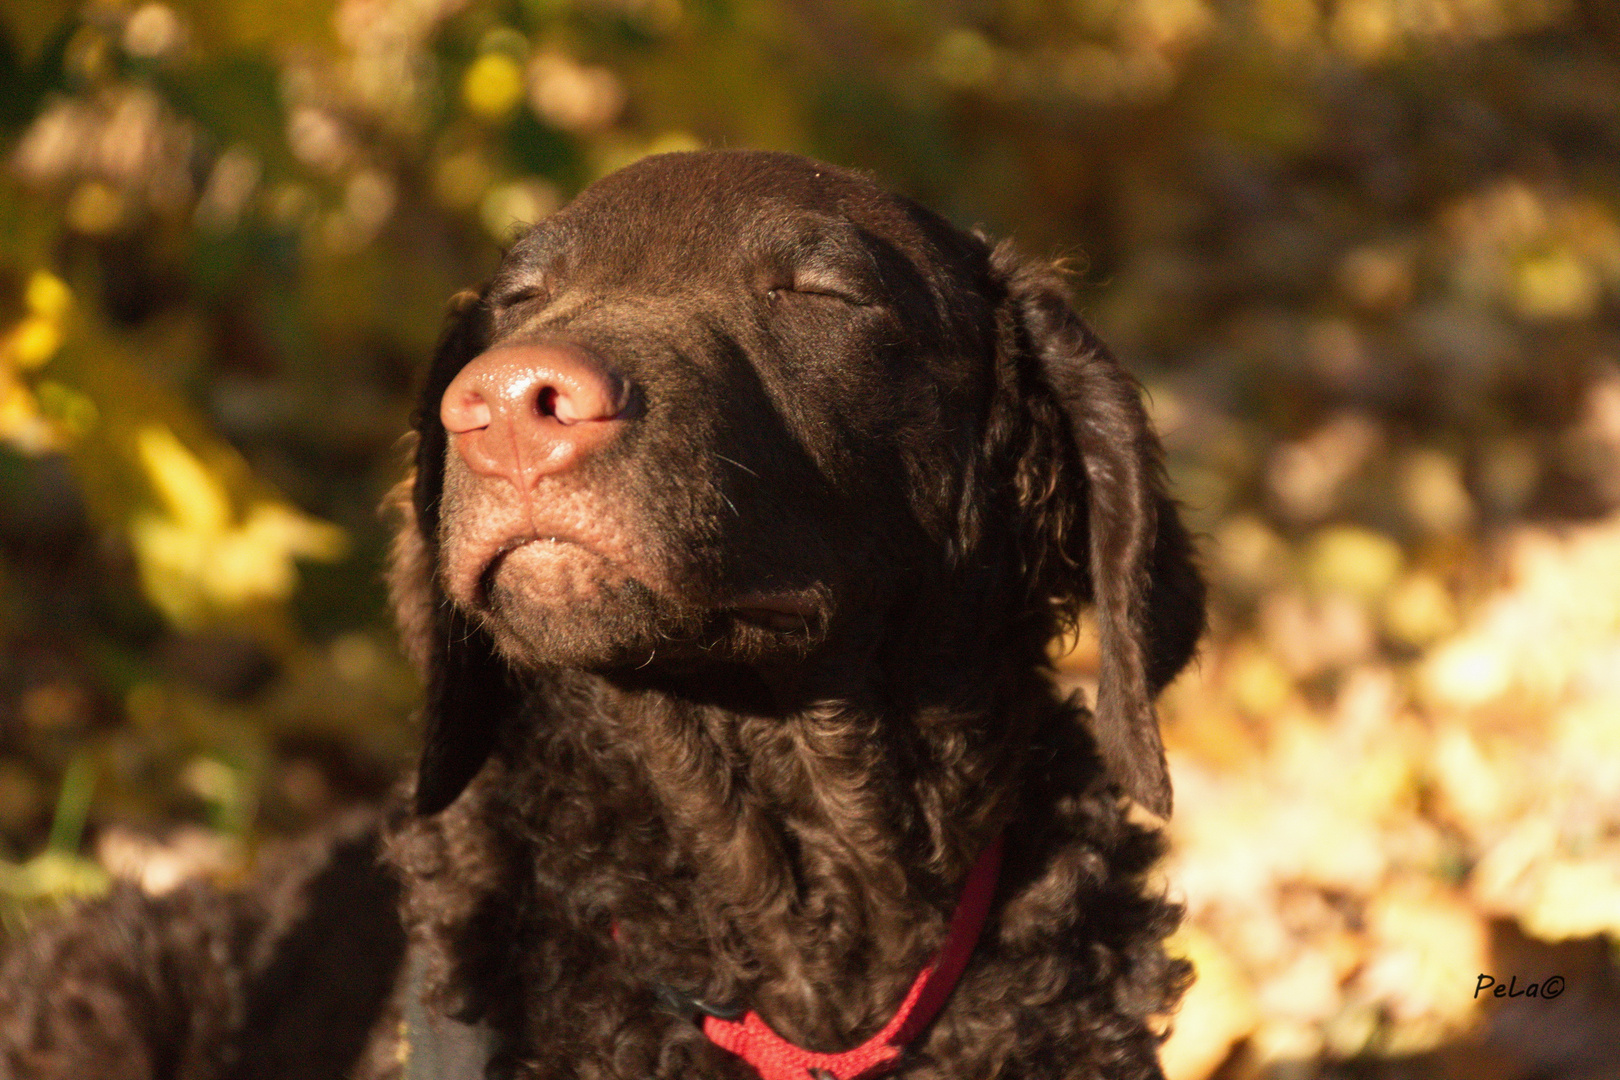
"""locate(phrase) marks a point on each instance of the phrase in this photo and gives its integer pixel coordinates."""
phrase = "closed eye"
(829, 294)
(819, 292)
(521, 296)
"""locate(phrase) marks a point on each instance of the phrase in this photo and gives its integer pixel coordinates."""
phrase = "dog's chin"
(611, 624)
(625, 625)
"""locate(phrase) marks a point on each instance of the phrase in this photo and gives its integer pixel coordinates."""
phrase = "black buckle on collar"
(690, 1008)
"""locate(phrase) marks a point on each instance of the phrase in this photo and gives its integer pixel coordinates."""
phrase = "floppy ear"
(469, 690)
(1109, 535)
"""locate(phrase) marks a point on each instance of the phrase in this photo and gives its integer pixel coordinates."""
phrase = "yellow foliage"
(1258, 683)
(1218, 1011)
(196, 559)
(1472, 787)
(17, 406)
(1309, 635)
(1353, 560)
(1419, 610)
(190, 494)
(1433, 493)
(509, 207)
(492, 85)
(1467, 673)
(37, 336)
(51, 876)
(1429, 945)
(21, 423)
(35, 341)
(1576, 898)
(1555, 286)
(1544, 634)
(612, 154)
(47, 295)
(1248, 553)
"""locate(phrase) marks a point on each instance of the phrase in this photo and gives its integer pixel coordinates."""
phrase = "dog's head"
(732, 411)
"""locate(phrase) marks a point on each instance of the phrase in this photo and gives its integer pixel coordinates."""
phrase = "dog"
(747, 499)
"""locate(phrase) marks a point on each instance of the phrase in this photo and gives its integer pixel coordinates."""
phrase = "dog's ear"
(469, 690)
(1101, 528)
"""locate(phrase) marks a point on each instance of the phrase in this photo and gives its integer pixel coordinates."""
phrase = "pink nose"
(526, 411)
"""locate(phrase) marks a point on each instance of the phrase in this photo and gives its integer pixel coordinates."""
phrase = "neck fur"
(804, 865)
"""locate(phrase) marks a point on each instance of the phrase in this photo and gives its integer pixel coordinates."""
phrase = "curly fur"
(937, 457)
(802, 859)
(199, 984)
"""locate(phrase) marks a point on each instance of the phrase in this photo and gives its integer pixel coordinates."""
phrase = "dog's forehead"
(732, 187)
(719, 207)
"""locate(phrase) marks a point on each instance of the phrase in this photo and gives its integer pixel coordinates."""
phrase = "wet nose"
(523, 412)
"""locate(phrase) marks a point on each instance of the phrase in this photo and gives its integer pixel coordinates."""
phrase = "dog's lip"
(486, 576)
(790, 612)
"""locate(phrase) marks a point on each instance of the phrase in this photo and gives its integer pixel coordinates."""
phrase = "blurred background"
(1365, 255)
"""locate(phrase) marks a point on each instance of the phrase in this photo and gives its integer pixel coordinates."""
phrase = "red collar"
(774, 1058)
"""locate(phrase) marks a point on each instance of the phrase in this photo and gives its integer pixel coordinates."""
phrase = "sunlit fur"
(787, 831)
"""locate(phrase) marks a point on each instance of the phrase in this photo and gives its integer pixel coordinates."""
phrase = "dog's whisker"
(739, 465)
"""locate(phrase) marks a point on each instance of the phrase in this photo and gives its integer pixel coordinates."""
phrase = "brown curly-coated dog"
(747, 499)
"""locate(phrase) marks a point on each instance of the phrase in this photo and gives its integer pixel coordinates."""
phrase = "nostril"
(464, 412)
(597, 396)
